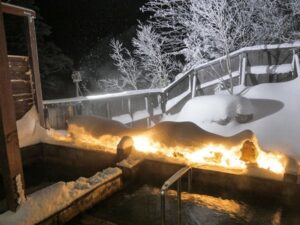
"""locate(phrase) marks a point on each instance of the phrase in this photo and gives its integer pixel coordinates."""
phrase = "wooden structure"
(20, 88)
(249, 66)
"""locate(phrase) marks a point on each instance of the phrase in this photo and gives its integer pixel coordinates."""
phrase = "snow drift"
(275, 108)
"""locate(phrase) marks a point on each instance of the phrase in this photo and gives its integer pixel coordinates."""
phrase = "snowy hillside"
(275, 114)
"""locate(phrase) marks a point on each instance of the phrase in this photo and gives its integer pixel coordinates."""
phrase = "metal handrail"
(176, 178)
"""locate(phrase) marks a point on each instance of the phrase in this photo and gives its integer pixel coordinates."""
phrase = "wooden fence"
(249, 66)
(22, 84)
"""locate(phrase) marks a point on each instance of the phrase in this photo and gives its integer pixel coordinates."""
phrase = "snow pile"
(29, 130)
(215, 109)
(275, 120)
(129, 162)
(284, 68)
(20, 190)
(46, 202)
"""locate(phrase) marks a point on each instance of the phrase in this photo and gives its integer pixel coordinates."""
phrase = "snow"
(217, 81)
(174, 101)
(129, 162)
(20, 190)
(214, 108)
(141, 114)
(29, 130)
(125, 118)
(284, 68)
(43, 203)
(276, 111)
(296, 44)
(157, 111)
(103, 96)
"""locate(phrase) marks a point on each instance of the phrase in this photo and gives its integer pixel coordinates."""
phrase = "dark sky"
(78, 24)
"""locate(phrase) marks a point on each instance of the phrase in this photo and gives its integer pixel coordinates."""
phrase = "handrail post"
(176, 178)
(179, 201)
(190, 174)
(194, 80)
(243, 69)
(162, 207)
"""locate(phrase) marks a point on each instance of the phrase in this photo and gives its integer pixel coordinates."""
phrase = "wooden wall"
(21, 80)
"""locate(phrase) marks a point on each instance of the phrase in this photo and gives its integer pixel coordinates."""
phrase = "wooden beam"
(16, 10)
(10, 158)
(34, 63)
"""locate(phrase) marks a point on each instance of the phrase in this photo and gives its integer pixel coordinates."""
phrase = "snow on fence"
(250, 66)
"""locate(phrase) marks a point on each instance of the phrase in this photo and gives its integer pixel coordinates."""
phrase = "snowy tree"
(167, 18)
(216, 27)
(295, 6)
(127, 65)
(157, 66)
(271, 22)
(203, 30)
(147, 67)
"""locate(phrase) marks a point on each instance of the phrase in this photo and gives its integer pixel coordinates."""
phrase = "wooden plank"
(16, 10)
(34, 63)
(18, 68)
(20, 87)
(22, 107)
(10, 157)
(19, 76)
(17, 58)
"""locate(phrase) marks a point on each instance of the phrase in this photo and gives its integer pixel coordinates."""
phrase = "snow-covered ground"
(275, 108)
(46, 202)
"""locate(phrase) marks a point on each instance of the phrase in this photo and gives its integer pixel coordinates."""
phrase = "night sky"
(77, 25)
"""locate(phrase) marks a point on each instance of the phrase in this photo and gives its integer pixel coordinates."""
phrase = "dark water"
(142, 207)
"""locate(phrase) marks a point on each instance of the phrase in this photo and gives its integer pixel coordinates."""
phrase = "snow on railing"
(149, 104)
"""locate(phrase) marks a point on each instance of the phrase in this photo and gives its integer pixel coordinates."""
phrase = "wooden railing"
(144, 107)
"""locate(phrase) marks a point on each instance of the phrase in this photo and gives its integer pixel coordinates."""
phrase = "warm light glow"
(213, 155)
(218, 156)
(271, 161)
(209, 155)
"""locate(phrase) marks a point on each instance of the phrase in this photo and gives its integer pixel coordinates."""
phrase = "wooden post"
(243, 64)
(147, 109)
(34, 63)
(194, 84)
(108, 113)
(130, 110)
(10, 158)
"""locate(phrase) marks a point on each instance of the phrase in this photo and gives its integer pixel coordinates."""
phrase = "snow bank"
(46, 202)
(129, 162)
(29, 130)
(275, 69)
(125, 118)
(214, 108)
(276, 115)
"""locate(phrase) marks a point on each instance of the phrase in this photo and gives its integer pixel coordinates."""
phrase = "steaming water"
(142, 207)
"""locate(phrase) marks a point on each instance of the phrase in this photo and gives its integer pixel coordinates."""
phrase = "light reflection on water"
(142, 207)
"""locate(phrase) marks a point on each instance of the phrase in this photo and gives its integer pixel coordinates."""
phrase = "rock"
(124, 148)
(249, 152)
(243, 118)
